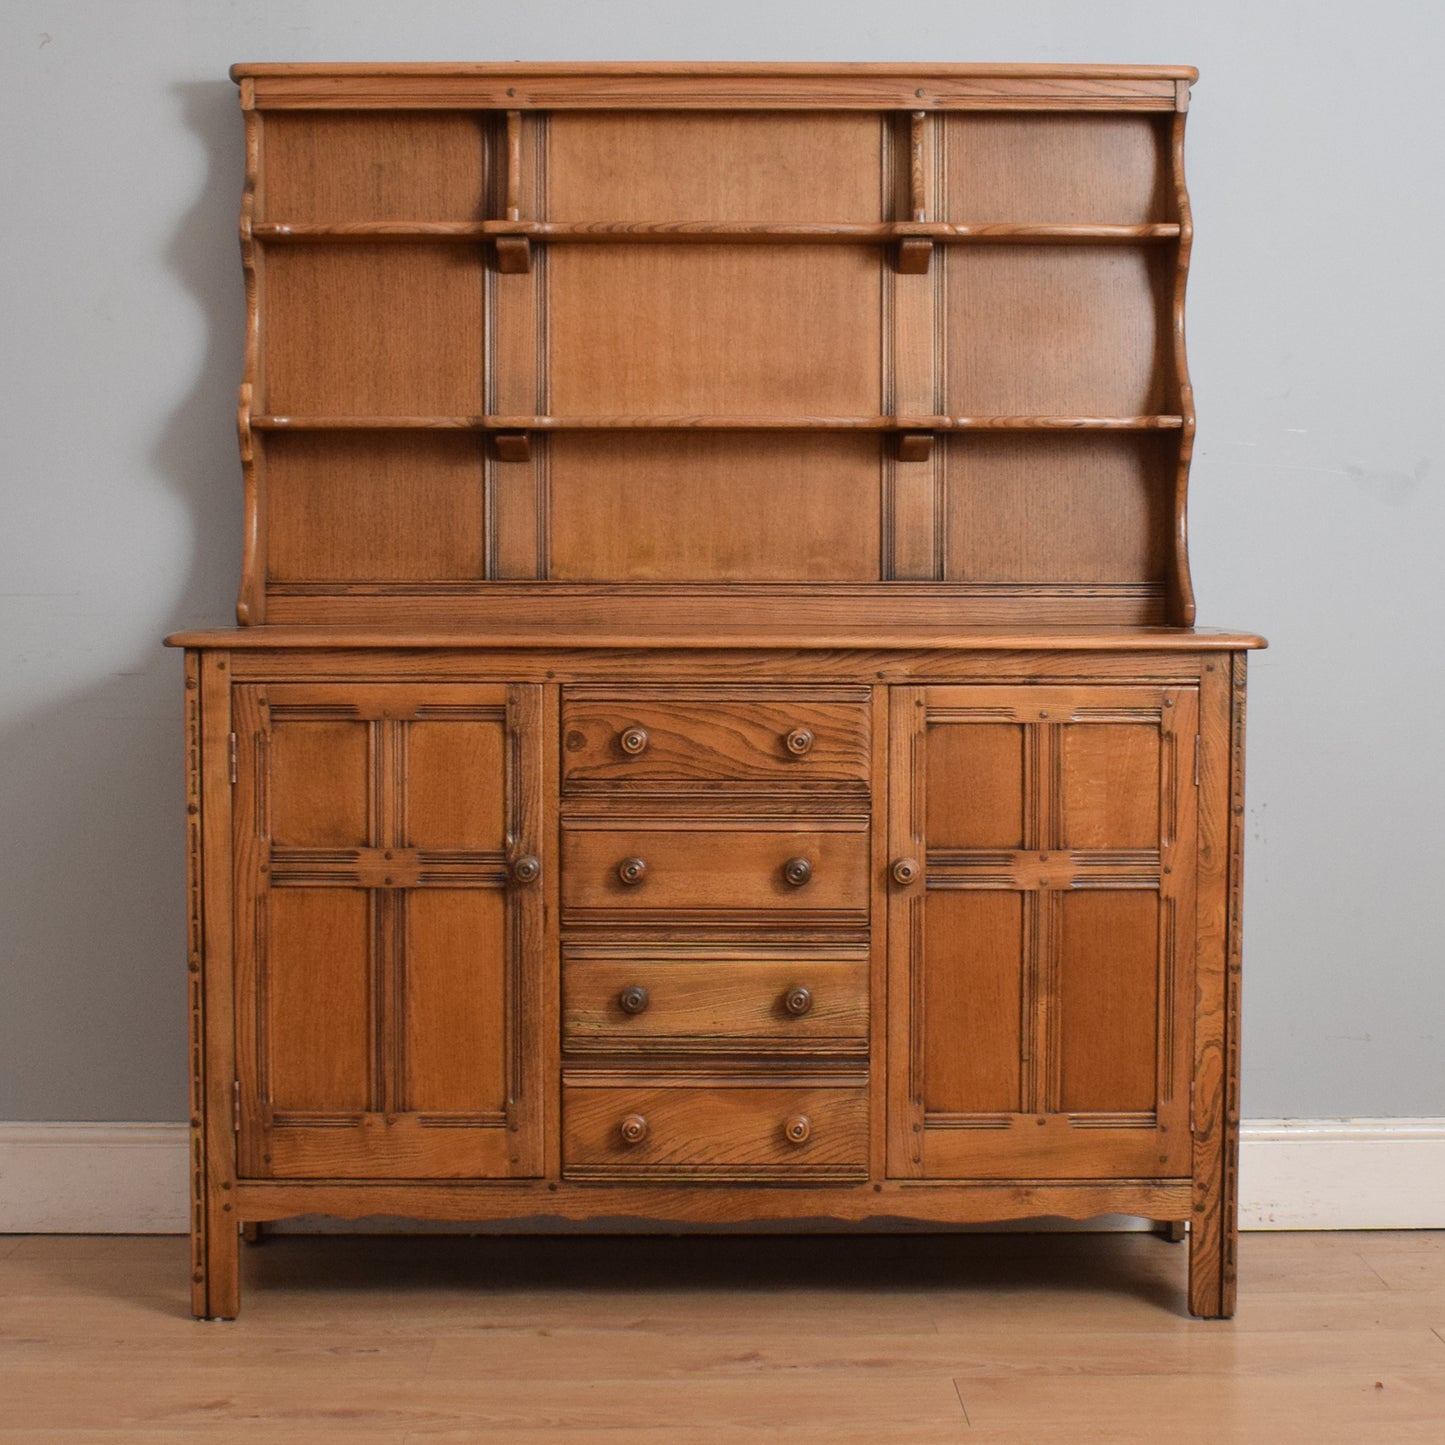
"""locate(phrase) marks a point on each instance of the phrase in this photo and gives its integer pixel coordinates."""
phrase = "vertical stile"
(879, 797)
(517, 362)
(514, 165)
(195, 983)
(917, 167)
(912, 465)
(222, 1239)
(907, 744)
(1215, 1138)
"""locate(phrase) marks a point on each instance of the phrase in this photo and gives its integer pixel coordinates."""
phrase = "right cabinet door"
(1041, 925)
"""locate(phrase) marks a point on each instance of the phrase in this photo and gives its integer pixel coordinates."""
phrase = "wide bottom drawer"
(714, 1131)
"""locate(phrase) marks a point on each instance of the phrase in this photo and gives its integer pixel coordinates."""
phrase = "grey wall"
(1315, 166)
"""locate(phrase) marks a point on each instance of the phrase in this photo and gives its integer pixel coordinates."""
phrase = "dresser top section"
(686, 85)
(683, 351)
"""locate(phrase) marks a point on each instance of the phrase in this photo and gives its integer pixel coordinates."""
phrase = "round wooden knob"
(633, 741)
(633, 999)
(631, 871)
(798, 1001)
(797, 1129)
(526, 869)
(634, 1129)
(906, 871)
(798, 742)
(797, 871)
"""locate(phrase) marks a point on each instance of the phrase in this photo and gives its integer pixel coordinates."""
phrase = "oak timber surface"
(1340, 1338)
(1165, 639)
(829, 429)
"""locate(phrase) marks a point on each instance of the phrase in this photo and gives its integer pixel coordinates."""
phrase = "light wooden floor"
(438, 1341)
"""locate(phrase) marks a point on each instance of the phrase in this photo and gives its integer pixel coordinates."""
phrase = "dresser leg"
(216, 1295)
(1213, 1239)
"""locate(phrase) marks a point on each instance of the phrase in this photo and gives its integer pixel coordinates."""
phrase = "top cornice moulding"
(682, 85)
(271, 70)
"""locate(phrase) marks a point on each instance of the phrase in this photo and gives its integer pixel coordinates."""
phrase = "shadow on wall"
(93, 1022)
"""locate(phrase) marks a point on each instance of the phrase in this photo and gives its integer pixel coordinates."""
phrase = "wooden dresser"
(717, 733)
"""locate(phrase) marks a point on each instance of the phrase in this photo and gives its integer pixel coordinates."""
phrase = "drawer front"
(714, 1130)
(776, 741)
(702, 1004)
(712, 868)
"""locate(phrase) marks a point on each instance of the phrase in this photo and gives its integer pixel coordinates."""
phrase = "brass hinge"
(1196, 760)
(236, 1105)
(234, 744)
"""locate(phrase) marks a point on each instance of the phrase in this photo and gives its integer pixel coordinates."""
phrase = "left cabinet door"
(390, 873)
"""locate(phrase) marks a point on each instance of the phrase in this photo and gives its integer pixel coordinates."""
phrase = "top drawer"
(707, 736)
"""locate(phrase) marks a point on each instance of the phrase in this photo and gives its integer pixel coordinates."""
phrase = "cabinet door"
(389, 939)
(1041, 972)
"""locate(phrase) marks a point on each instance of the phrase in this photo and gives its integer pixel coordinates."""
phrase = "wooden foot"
(216, 1295)
(1213, 1237)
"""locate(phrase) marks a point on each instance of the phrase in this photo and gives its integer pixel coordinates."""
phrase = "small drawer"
(680, 740)
(716, 868)
(714, 1130)
(700, 1004)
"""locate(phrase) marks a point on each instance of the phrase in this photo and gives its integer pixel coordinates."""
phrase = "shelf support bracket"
(915, 253)
(514, 446)
(915, 446)
(514, 255)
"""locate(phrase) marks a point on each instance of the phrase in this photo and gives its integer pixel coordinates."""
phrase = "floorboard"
(716, 1341)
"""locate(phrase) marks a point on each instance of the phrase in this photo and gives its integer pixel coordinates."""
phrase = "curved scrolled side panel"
(1181, 587)
(251, 603)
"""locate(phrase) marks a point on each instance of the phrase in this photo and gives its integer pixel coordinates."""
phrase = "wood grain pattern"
(640, 167)
(717, 706)
(1084, 330)
(706, 505)
(220, 1286)
(856, 1340)
(1045, 990)
(358, 166)
(595, 232)
(712, 999)
(375, 507)
(712, 739)
(1183, 610)
(1081, 169)
(711, 865)
(713, 87)
(739, 614)
(388, 978)
(733, 1130)
(750, 330)
(197, 1074)
(1054, 507)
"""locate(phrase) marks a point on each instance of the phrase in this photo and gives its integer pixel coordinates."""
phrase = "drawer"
(726, 866)
(701, 1003)
(680, 740)
(717, 1129)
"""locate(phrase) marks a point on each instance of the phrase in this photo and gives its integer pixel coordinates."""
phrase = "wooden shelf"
(709, 232)
(716, 423)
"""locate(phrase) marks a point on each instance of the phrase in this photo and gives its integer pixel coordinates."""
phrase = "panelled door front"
(1040, 931)
(389, 934)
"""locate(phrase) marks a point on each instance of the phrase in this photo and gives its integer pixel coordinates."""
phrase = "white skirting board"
(1293, 1174)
